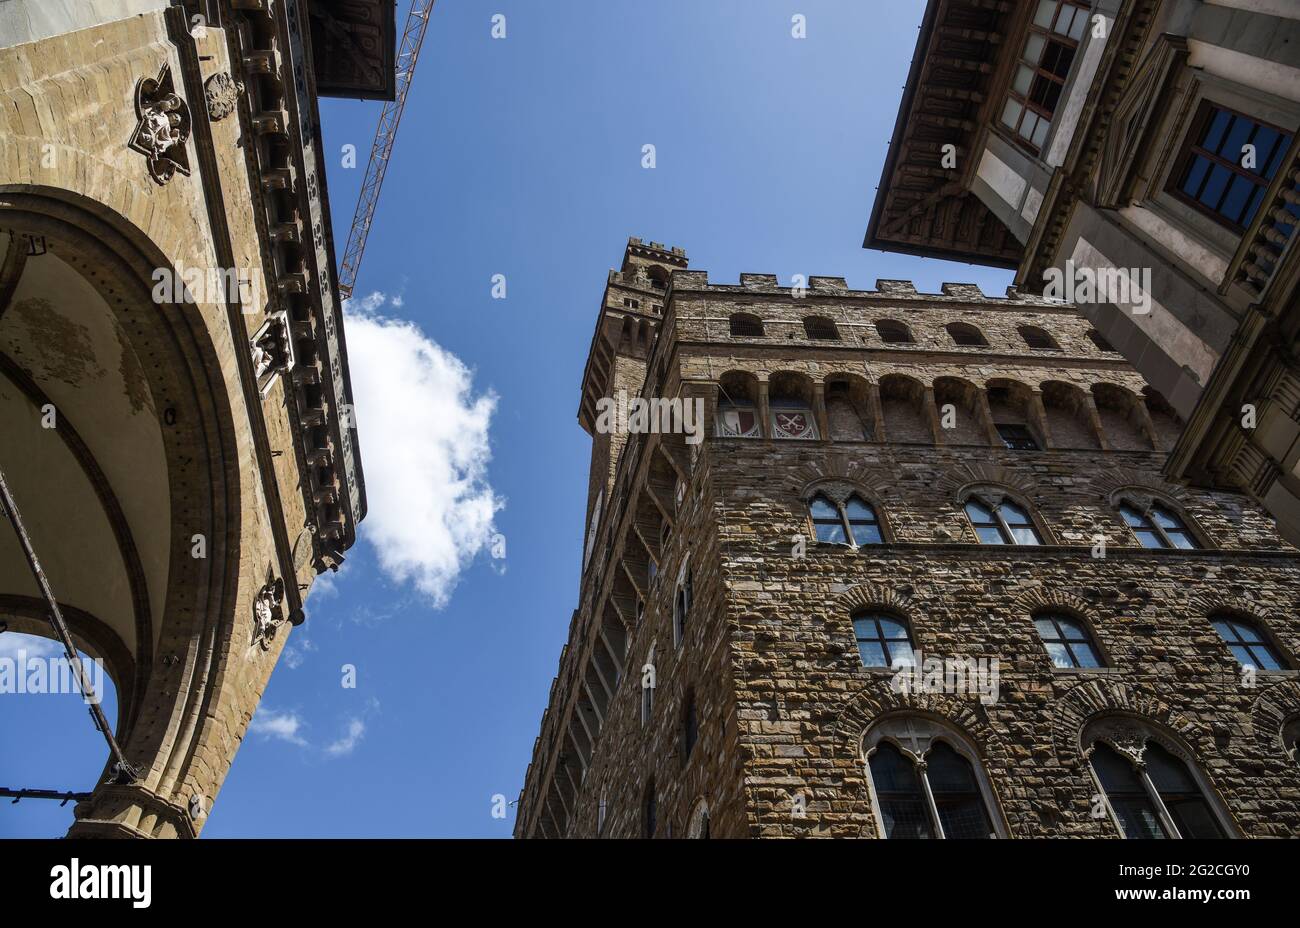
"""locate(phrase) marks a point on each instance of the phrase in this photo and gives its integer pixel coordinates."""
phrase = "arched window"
(746, 325)
(1248, 643)
(1100, 341)
(820, 328)
(602, 810)
(927, 783)
(967, 335)
(1067, 641)
(893, 332)
(682, 602)
(1038, 338)
(649, 812)
(1291, 739)
(699, 823)
(1152, 793)
(1005, 524)
(1157, 527)
(883, 640)
(690, 726)
(855, 523)
(648, 687)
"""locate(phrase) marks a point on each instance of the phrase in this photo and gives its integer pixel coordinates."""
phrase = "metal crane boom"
(417, 21)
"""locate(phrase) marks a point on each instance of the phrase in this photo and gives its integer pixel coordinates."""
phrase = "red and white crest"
(739, 422)
(792, 423)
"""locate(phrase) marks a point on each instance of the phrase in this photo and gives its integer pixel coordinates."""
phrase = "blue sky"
(520, 156)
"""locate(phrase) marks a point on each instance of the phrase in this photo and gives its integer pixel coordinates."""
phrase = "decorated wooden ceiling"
(922, 207)
(353, 47)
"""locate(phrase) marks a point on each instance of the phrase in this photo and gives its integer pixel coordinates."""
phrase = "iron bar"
(123, 772)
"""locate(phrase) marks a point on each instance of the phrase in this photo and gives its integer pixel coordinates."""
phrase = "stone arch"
(837, 467)
(1012, 403)
(1164, 420)
(1090, 700)
(1272, 710)
(968, 424)
(864, 596)
(1068, 416)
(877, 701)
(1122, 419)
(848, 407)
(966, 335)
(902, 402)
(956, 481)
(894, 332)
(183, 393)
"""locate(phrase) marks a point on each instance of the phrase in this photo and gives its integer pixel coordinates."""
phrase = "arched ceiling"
(93, 494)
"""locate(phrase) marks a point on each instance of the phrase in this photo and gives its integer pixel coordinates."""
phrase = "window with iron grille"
(821, 329)
(744, 325)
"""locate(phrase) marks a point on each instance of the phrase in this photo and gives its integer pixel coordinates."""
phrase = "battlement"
(892, 290)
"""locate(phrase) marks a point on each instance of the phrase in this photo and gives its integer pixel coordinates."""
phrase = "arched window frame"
(1145, 503)
(698, 824)
(1291, 738)
(890, 645)
(1031, 334)
(973, 335)
(746, 325)
(894, 332)
(1055, 614)
(992, 498)
(820, 328)
(602, 811)
(838, 497)
(1268, 641)
(683, 599)
(1128, 736)
(914, 736)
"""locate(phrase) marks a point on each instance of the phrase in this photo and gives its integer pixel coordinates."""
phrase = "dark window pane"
(867, 534)
(872, 654)
(1195, 176)
(1126, 794)
(978, 512)
(1235, 203)
(1265, 657)
(1193, 818)
(1149, 539)
(898, 791)
(1013, 514)
(1085, 655)
(1266, 142)
(1133, 517)
(1215, 129)
(892, 629)
(1168, 773)
(859, 511)
(822, 508)
(1238, 135)
(1256, 199)
(1060, 655)
(1215, 186)
(831, 532)
(956, 794)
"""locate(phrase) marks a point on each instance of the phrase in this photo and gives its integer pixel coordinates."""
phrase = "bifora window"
(1214, 177)
(1247, 643)
(1008, 524)
(855, 523)
(926, 783)
(1158, 527)
(1054, 35)
(1067, 641)
(883, 641)
(1153, 793)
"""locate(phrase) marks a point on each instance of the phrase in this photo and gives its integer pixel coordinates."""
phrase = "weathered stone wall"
(770, 655)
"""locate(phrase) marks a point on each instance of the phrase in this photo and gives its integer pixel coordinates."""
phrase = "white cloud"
(423, 435)
(347, 744)
(284, 726)
(296, 651)
(11, 643)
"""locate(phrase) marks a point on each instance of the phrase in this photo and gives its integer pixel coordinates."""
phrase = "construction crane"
(417, 21)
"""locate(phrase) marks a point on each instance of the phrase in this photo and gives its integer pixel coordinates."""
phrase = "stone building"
(1144, 154)
(886, 479)
(175, 410)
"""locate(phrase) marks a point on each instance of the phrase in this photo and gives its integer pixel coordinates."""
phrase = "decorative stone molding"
(1273, 708)
(837, 468)
(956, 481)
(1045, 598)
(1110, 482)
(871, 705)
(872, 595)
(272, 350)
(221, 92)
(163, 127)
(268, 613)
(1094, 699)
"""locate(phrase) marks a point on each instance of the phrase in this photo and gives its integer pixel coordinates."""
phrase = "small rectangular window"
(1017, 438)
(1049, 52)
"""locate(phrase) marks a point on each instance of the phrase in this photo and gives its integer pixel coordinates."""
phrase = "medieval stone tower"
(175, 409)
(921, 577)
